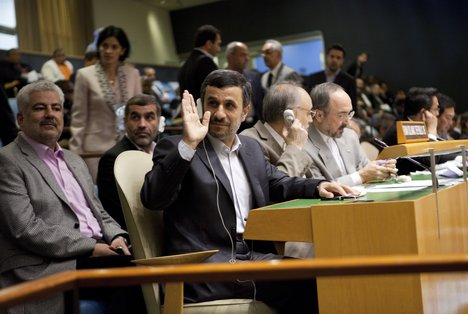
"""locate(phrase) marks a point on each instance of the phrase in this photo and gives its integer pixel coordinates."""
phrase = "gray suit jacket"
(324, 164)
(285, 74)
(39, 232)
(292, 160)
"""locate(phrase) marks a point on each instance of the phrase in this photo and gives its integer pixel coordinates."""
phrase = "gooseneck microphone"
(382, 144)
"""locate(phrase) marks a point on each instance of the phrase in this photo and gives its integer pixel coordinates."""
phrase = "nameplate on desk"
(411, 132)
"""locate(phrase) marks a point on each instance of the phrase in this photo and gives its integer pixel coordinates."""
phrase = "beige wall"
(148, 28)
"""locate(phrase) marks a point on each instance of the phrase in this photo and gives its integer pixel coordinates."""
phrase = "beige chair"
(145, 228)
(371, 151)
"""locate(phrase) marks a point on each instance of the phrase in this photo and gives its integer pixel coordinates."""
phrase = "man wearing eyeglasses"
(272, 52)
(283, 143)
(334, 148)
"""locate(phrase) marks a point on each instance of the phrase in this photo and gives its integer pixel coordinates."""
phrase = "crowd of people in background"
(108, 106)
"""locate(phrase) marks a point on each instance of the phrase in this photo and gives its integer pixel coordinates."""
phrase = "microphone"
(289, 117)
(382, 144)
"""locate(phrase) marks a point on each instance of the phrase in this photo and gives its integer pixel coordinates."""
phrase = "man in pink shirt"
(49, 214)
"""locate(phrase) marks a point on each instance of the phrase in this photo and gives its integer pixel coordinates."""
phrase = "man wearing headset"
(208, 179)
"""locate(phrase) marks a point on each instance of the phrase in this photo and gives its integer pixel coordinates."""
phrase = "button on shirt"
(89, 225)
(240, 188)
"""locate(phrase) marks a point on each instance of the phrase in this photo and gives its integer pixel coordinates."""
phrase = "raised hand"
(194, 130)
(431, 122)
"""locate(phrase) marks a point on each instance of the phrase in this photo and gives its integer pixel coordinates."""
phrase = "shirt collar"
(278, 138)
(327, 139)
(153, 144)
(41, 149)
(221, 148)
(276, 69)
(205, 52)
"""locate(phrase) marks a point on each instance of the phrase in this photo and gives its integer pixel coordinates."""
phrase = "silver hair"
(38, 86)
(276, 45)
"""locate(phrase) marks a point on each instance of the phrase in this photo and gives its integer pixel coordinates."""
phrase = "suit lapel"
(202, 153)
(266, 136)
(324, 153)
(253, 171)
(31, 156)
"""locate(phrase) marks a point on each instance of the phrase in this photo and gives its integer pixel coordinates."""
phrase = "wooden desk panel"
(408, 226)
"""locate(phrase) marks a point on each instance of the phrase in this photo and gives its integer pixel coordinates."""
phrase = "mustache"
(215, 121)
(48, 122)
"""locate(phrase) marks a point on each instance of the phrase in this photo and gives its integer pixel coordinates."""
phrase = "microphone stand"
(435, 181)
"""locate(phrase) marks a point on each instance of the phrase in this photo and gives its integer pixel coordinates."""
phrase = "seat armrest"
(187, 258)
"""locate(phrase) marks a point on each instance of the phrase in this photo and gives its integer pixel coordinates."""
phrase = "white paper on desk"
(396, 189)
(408, 186)
(450, 170)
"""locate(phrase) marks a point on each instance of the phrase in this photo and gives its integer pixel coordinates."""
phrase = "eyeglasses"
(310, 113)
(346, 116)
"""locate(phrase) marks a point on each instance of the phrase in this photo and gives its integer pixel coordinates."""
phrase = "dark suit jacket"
(40, 233)
(186, 192)
(107, 188)
(258, 92)
(8, 128)
(194, 71)
(10, 72)
(343, 79)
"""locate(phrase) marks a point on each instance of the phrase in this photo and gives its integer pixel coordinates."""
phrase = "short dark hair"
(280, 97)
(90, 55)
(142, 100)
(413, 103)
(205, 33)
(320, 95)
(228, 78)
(119, 34)
(337, 46)
(445, 102)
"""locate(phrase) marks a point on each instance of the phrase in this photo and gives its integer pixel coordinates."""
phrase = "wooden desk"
(396, 223)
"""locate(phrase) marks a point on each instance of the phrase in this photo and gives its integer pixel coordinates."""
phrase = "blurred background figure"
(446, 116)
(464, 126)
(200, 62)
(90, 58)
(272, 52)
(356, 69)
(57, 68)
(13, 73)
(237, 56)
(8, 129)
(101, 91)
(67, 88)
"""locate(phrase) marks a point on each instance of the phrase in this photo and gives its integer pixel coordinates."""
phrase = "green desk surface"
(378, 197)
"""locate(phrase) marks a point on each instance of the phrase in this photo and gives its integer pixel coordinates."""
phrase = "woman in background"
(101, 91)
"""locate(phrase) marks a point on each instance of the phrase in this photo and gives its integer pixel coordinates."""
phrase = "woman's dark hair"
(119, 34)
